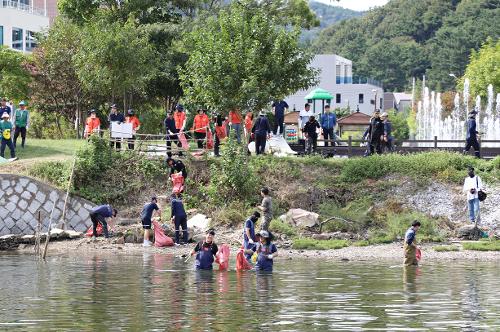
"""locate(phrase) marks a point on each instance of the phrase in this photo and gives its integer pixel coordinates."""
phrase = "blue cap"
(179, 107)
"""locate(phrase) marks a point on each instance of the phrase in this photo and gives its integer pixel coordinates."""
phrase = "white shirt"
(304, 117)
(470, 183)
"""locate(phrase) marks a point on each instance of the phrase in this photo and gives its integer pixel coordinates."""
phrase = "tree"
(243, 59)
(14, 78)
(483, 69)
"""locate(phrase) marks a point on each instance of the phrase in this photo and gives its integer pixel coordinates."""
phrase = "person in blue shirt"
(146, 216)
(171, 131)
(249, 233)
(328, 123)
(266, 252)
(410, 245)
(279, 108)
(471, 137)
(98, 215)
(261, 129)
(179, 218)
(205, 252)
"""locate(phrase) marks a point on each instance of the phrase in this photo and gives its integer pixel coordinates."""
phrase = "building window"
(361, 98)
(337, 74)
(17, 39)
(338, 98)
(1, 35)
(30, 41)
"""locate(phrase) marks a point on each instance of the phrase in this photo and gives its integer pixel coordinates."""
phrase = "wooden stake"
(48, 233)
(63, 217)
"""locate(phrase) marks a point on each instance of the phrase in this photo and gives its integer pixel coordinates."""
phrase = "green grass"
(361, 243)
(482, 245)
(279, 227)
(305, 243)
(42, 148)
(445, 248)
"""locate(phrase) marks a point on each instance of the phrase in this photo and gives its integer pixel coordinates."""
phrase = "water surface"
(158, 292)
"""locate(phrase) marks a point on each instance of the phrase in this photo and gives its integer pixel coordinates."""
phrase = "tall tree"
(242, 58)
(14, 78)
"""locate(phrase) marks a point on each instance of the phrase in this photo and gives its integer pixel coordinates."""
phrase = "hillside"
(327, 15)
(408, 38)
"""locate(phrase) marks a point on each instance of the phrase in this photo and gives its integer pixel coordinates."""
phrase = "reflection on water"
(161, 292)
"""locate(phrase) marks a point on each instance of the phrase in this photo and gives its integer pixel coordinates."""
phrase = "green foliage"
(355, 212)
(398, 223)
(307, 243)
(231, 178)
(56, 173)
(277, 226)
(232, 214)
(14, 78)
(244, 59)
(361, 243)
(152, 120)
(483, 68)
(400, 127)
(445, 248)
(482, 245)
(50, 126)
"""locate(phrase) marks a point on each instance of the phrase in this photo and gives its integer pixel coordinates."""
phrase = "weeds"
(306, 243)
(482, 245)
(445, 248)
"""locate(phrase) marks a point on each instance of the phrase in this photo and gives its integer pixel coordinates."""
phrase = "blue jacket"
(471, 128)
(328, 120)
(261, 126)
(103, 210)
(178, 209)
(388, 128)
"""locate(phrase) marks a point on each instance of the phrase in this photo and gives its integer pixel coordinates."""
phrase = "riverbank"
(391, 251)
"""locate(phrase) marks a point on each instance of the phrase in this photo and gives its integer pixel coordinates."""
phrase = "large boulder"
(199, 222)
(469, 232)
(301, 218)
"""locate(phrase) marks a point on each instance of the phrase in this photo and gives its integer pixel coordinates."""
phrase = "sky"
(355, 4)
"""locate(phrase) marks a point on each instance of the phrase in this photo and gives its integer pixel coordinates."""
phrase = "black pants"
(279, 123)
(200, 139)
(116, 143)
(375, 146)
(7, 142)
(260, 144)
(131, 143)
(328, 134)
(173, 138)
(181, 222)
(97, 218)
(311, 144)
(22, 131)
(217, 146)
(472, 142)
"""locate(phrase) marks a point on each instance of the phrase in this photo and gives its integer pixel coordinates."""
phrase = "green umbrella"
(319, 94)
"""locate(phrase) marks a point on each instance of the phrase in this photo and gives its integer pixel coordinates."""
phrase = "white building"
(348, 91)
(19, 21)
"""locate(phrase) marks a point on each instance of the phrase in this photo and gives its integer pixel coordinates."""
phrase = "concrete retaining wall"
(21, 198)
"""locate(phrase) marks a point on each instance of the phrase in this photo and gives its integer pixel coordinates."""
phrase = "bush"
(56, 173)
(397, 225)
(355, 212)
(279, 227)
(306, 243)
(49, 126)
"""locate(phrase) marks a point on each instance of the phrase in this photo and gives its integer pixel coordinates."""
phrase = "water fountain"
(431, 121)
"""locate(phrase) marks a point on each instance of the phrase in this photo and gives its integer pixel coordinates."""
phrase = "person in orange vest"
(92, 125)
(136, 124)
(180, 118)
(200, 127)
(220, 132)
(235, 122)
(248, 126)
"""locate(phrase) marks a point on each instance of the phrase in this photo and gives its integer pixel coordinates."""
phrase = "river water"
(158, 292)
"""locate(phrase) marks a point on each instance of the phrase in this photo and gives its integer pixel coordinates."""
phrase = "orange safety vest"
(234, 117)
(200, 124)
(134, 121)
(179, 118)
(92, 124)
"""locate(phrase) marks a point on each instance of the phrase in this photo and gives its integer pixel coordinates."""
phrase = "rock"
(469, 232)
(301, 218)
(126, 221)
(9, 237)
(57, 233)
(73, 234)
(28, 239)
(199, 221)
(120, 240)
(22, 246)
(129, 238)
(324, 236)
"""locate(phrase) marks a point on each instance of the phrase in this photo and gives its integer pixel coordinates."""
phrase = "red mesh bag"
(222, 257)
(161, 240)
(241, 262)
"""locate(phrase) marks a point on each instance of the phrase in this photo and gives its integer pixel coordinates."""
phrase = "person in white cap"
(387, 137)
(21, 123)
(6, 134)
(266, 252)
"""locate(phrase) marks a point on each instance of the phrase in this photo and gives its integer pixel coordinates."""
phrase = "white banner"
(121, 130)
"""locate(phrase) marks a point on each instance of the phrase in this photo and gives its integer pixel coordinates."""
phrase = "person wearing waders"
(266, 252)
(249, 233)
(146, 215)
(179, 218)
(98, 215)
(205, 252)
(410, 245)
(267, 208)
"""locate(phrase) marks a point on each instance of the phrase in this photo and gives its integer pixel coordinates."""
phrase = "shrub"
(397, 224)
(56, 173)
(280, 227)
(306, 243)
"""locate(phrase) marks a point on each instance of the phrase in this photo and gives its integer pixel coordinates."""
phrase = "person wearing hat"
(266, 252)
(177, 166)
(179, 218)
(116, 117)
(261, 130)
(472, 186)
(171, 132)
(200, 127)
(6, 133)
(4, 108)
(180, 118)
(146, 216)
(471, 137)
(387, 137)
(205, 251)
(136, 125)
(21, 123)
(92, 125)
(249, 233)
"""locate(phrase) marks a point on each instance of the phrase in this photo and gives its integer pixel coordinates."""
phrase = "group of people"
(12, 125)
(379, 134)
(310, 127)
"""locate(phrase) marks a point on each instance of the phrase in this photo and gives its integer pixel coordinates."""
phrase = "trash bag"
(210, 140)
(90, 231)
(222, 257)
(177, 183)
(161, 240)
(241, 262)
(418, 254)
(183, 140)
(220, 131)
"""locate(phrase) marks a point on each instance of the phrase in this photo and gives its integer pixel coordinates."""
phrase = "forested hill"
(408, 38)
(327, 16)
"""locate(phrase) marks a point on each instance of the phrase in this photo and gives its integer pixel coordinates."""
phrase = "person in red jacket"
(92, 125)
(248, 126)
(235, 122)
(200, 127)
(136, 125)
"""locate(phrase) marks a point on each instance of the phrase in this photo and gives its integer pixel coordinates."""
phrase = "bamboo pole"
(48, 233)
(37, 234)
(63, 217)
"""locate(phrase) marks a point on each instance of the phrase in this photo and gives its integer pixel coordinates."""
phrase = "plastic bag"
(241, 262)
(210, 140)
(418, 254)
(161, 240)
(177, 183)
(90, 231)
(222, 257)
(183, 140)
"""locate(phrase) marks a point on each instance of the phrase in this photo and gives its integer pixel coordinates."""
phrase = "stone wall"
(22, 198)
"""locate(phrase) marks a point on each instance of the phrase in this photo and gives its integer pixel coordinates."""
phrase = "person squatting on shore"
(98, 215)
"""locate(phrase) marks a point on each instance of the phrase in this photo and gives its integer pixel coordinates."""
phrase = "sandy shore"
(391, 251)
